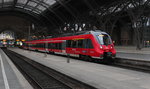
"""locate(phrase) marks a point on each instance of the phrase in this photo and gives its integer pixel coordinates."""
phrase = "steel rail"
(67, 82)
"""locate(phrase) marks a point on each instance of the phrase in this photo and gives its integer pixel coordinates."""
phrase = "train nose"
(106, 49)
(108, 54)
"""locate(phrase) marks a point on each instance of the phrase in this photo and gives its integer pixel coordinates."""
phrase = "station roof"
(36, 6)
(53, 10)
(33, 10)
(54, 13)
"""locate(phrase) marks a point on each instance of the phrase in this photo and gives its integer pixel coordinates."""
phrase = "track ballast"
(42, 77)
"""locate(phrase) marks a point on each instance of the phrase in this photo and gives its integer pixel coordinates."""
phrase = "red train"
(87, 45)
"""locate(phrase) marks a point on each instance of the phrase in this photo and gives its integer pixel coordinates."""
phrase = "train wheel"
(53, 52)
(88, 58)
(85, 57)
(36, 50)
(108, 60)
(81, 57)
(50, 52)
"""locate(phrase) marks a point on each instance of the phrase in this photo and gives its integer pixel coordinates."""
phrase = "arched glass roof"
(36, 6)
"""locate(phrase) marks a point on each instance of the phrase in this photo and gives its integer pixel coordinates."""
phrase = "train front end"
(104, 45)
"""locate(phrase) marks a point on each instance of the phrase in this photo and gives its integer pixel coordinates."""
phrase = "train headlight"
(111, 47)
(101, 47)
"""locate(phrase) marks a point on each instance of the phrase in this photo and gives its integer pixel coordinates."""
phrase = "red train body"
(95, 44)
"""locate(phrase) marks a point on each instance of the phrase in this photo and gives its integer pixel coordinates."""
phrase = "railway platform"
(130, 52)
(98, 75)
(10, 77)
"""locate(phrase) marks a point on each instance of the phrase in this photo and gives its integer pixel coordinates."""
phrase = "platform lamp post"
(68, 58)
(46, 48)
(29, 37)
(29, 33)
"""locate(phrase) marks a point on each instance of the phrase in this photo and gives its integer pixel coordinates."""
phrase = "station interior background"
(127, 21)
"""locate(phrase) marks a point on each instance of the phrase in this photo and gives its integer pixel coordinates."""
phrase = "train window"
(41, 45)
(24, 44)
(74, 44)
(52, 46)
(60, 45)
(27, 45)
(63, 45)
(89, 43)
(84, 43)
(57, 45)
(32, 45)
(80, 43)
(49, 45)
(104, 39)
(38, 45)
(44, 45)
(68, 43)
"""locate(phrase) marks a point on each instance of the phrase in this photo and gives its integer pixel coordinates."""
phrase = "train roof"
(79, 33)
(74, 34)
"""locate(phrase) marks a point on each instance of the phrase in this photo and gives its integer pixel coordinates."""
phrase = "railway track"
(138, 65)
(42, 77)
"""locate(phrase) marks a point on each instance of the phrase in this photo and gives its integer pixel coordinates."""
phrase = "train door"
(46, 46)
(90, 47)
(74, 46)
(84, 48)
(71, 46)
(63, 47)
(79, 48)
(87, 47)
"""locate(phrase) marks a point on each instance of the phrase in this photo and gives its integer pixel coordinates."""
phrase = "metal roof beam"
(67, 8)
(26, 4)
(14, 4)
(37, 5)
(48, 8)
(2, 3)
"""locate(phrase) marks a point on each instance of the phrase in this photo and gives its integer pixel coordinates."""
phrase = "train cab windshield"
(104, 39)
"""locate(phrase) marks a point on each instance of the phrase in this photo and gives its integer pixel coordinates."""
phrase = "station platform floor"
(98, 75)
(130, 52)
(10, 77)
